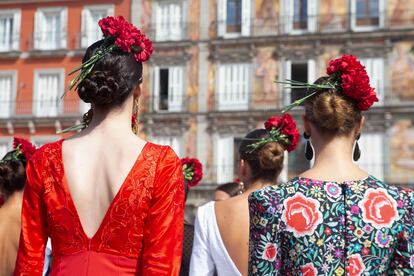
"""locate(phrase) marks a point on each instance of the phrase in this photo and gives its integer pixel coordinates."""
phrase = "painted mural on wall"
(402, 152)
(333, 15)
(266, 20)
(402, 72)
(400, 13)
(266, 92)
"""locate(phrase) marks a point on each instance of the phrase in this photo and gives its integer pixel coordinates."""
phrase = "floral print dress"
(308, 227)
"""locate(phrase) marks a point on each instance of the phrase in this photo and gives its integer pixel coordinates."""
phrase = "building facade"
(210, 80)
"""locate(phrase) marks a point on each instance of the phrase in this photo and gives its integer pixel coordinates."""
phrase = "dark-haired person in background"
(335, 218)
(112, 203)
(222, 227)
(12, 180)
(227, 190)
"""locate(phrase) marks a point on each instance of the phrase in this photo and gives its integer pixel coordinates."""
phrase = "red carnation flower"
(27, 148)
(127, 37)
(287, 126)
(354, 80)
(193, 171)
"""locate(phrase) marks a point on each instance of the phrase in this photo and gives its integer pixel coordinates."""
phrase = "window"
(90, 18)
(234, 17)
(9, 30)
(233, 87)
(173, 142)
(168, 88)
(372, 153)
(224, 152)
(300, 16)
(367, 14)
(7, 93)
(5, 147)
(168, 24)
(48, 90)
(50, 29)
(299, 71)
(375, 70)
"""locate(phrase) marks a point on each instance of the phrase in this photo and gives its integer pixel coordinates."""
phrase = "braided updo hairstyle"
(12, 176)
(332, 112)
(266, 163)
(112, 79)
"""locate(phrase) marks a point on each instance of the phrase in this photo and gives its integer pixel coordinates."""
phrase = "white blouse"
(209, 253)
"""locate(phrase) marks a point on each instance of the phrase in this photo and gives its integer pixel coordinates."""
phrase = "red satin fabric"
(141, 234)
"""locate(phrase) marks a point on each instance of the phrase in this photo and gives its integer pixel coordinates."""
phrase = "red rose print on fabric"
(379, 208)
(269, 252)
(308, 270)
(355, 265)
(301, 215)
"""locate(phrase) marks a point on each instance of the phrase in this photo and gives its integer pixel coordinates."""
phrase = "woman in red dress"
(111, 203)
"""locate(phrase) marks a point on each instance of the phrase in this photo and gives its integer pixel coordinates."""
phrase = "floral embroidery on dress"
(307, 227)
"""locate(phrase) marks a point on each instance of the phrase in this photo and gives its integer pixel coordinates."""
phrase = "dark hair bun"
(332, 112)
(12, 176)
(271, 156)
(111, 80)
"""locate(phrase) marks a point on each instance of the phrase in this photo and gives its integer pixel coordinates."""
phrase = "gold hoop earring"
(135, 123)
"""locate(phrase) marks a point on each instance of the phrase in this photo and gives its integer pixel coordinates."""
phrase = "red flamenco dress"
(141, 233)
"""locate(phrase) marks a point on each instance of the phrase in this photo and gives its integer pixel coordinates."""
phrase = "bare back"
(233, 222)
(95, 168)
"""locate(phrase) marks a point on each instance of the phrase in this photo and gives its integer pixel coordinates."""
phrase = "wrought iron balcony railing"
(41, 108)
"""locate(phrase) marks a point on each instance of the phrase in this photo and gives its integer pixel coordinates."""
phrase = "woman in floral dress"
(335, 218)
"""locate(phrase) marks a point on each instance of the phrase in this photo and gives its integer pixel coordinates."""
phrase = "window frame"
(221, 85)
(155, 96)
(84, 39)
(15, 35)
(168, 36)
(178, 147)
(13, 74)
(63, 35)
(246, 18)
(37, 72)
(287, 14)
(9, 142)
(287, 73)
(381, 19)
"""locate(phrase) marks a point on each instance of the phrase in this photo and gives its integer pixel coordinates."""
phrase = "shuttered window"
(50, 29)
(7, 94)
(49, 88)
(233, 87)
(91, 32)
(9, 30)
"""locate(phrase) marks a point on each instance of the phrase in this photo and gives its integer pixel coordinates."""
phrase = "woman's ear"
(137, 91)
(306, 126)
(360, 126)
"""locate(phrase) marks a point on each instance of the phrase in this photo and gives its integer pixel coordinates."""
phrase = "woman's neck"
(116, 120)
(257, 185)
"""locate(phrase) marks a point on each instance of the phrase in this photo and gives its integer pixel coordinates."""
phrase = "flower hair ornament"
(346, 75)
(22, 151)
(118, 34)
(192, 170)
(281, 130)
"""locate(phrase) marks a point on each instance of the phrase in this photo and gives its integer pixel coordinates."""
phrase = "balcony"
(40, 109)
(48, 43)
(315, 24)
(9, 46)
(163, 32)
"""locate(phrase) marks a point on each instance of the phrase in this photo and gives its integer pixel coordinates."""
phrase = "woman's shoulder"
(48, 151)
(164, 153)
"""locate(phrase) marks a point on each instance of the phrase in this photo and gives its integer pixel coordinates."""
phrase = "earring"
(308, 148)
(135, 125)
(241, 184)
(87, 118)
(357, 150)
